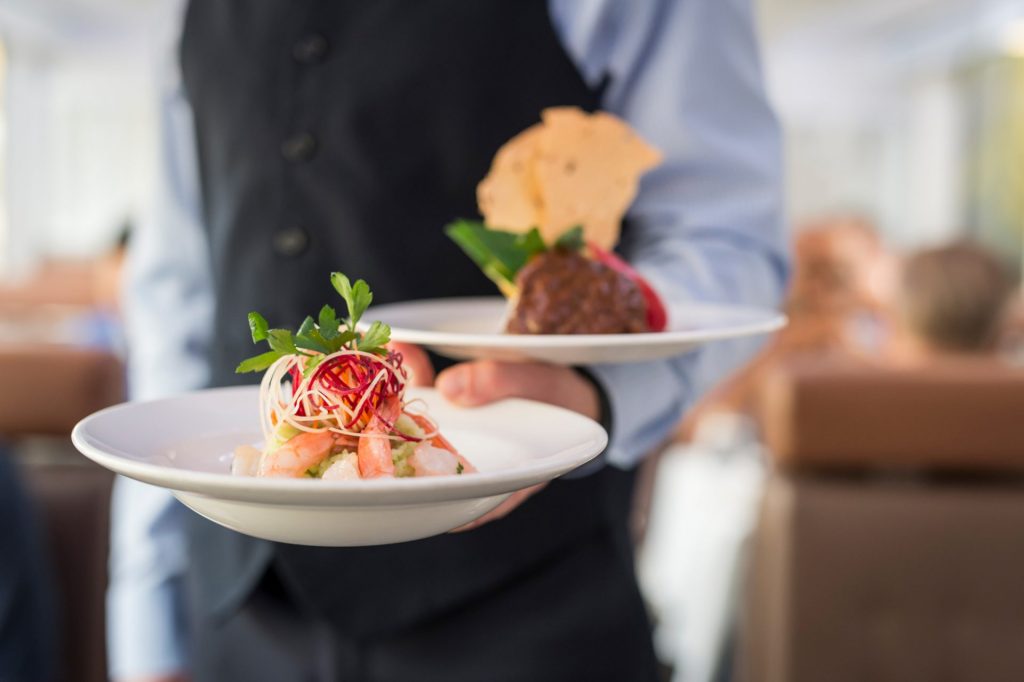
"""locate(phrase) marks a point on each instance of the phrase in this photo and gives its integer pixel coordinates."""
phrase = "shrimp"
(429, 460)
(246, 461)
(298, 455)
(374, 449)
(442, 443)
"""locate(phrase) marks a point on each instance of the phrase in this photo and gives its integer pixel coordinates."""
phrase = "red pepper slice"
(657, 317)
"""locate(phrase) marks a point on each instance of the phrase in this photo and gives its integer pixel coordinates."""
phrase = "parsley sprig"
(316, 339)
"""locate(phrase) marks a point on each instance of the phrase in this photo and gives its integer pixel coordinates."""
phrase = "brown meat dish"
(562, 292)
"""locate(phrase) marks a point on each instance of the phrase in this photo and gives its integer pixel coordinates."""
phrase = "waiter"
(303, 137)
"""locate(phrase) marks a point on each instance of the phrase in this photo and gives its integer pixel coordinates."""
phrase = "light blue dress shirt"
(706, 226)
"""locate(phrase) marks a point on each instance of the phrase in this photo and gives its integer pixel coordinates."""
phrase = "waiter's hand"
(416, 363)
(478, 383)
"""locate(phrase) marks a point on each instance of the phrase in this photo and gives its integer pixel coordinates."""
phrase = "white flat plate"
(471, 329)
(184, 444)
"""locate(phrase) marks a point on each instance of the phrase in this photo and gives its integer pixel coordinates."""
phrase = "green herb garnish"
(571, 239)
(500, 254)
(459, 468)
(316, 339)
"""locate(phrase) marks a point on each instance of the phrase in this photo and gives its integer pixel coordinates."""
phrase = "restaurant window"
(995, 172)
(77, 133)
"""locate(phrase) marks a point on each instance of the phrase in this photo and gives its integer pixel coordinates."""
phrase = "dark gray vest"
(342, 135)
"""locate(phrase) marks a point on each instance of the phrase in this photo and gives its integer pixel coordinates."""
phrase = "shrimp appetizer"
(332, 402)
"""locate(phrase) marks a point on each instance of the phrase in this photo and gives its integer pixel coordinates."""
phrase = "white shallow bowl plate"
(184, 443)
(470, 329)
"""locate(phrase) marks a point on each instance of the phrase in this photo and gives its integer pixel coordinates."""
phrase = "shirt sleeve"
(707, 224)
(169, 308)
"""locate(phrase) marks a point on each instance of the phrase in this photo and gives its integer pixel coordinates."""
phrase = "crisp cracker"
(571, 169)
(508, 198)
(588, 173)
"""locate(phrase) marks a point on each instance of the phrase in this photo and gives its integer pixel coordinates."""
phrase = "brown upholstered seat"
(965, 415)
(861, 575)
(49, 387)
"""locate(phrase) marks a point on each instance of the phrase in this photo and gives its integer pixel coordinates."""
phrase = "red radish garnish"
(657, 318)
(362, 382)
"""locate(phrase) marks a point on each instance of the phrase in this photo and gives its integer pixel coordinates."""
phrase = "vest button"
(291, 241)
(299, 147)
(310, 49)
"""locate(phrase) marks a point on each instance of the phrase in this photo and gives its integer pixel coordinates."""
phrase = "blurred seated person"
(841, 290)
(108, 272)
(838, 303)
(952, 303)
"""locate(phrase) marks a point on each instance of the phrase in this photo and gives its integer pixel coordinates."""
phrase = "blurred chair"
(56, 386)
(890, 545)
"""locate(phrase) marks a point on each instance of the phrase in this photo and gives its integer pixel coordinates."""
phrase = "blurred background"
(846, 507)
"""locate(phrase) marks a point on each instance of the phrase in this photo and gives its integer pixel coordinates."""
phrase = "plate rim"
(774, 320)
(362, 493)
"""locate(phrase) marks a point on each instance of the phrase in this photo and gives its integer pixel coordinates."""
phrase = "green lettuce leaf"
(501, 255)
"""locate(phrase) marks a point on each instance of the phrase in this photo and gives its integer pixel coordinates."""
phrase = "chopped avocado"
(325, 464)
(400, 455)
(282, 434)
(406, 425)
